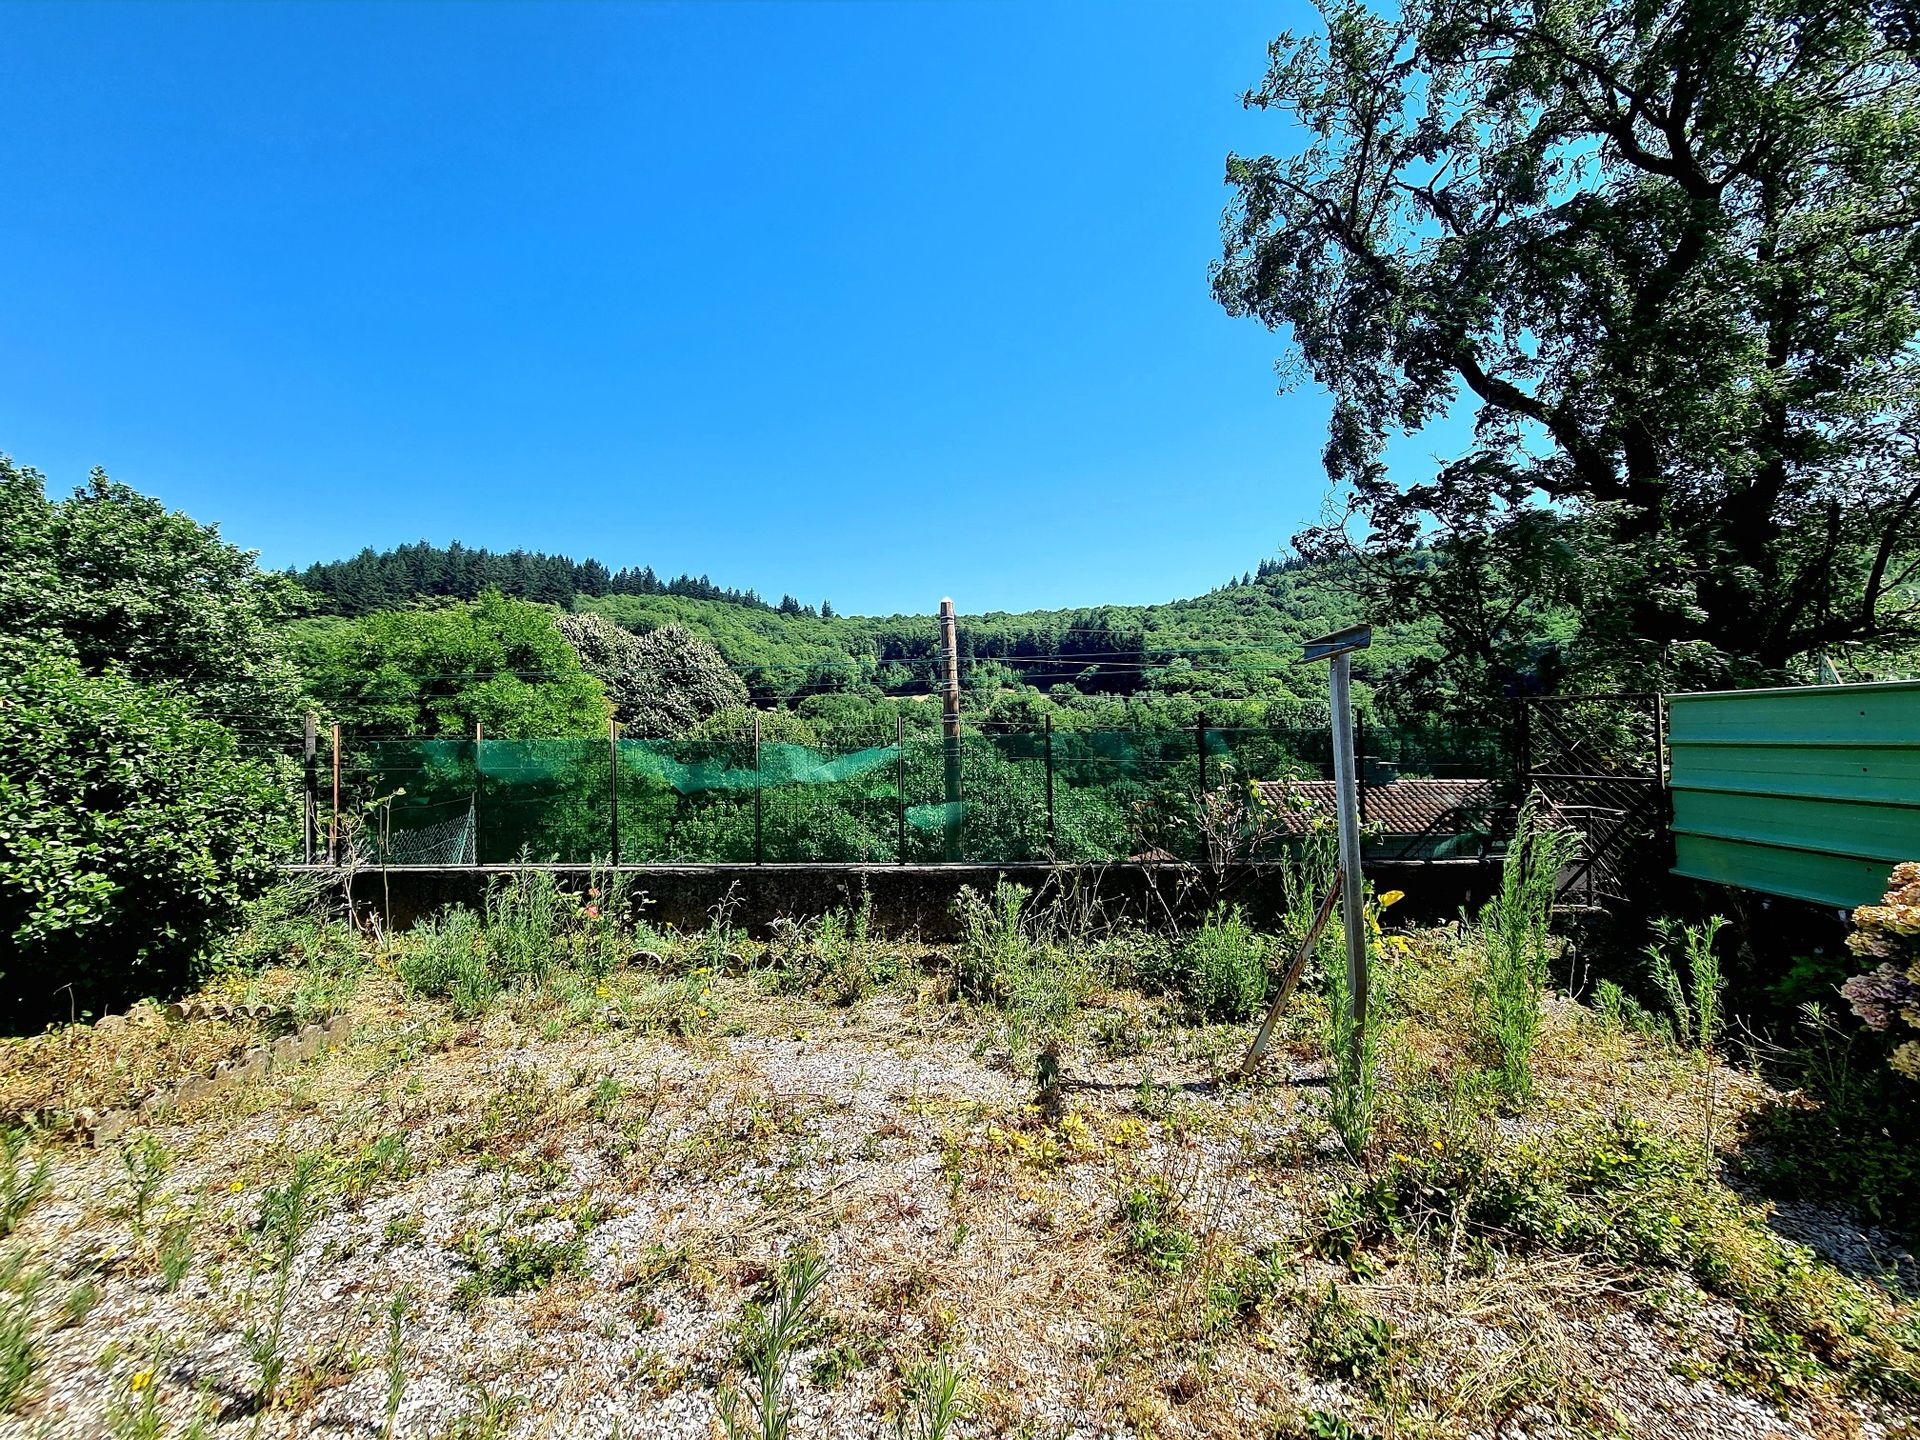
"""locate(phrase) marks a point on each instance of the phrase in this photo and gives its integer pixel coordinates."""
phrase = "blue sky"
(875, 302)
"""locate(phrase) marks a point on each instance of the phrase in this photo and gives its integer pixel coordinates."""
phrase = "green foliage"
(1037, 985)
(529, 926)
(1154, 1236)
(1225, 963)
(500, 663)
(1517, 944)
(111, 579)
(19, 1337)
(1851, 1134)
(931, 1402)
(1620, 1190)
(1353, 1057)
(1344, 1342)
(287, 1212)
(1665, 255)
(509, 1264)
(835, 956)
(23, 1181)
(132, 832)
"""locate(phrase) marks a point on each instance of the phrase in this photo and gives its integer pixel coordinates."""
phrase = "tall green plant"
(1517, 944)
(1694, 998)
(770, 1335)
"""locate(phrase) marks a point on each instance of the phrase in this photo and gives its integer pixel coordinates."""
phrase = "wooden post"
(478, 736)
(310, 754)
(1258, 1049)
(900, 777)
(613, 785)
(950, 725)
(333, 825)
(1053, 836)
(759, 838)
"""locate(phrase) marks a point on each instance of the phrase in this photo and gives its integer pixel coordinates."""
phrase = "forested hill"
(387, 579)
(1240, 640)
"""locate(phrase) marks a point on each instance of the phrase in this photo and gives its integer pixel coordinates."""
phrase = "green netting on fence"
(983, 797)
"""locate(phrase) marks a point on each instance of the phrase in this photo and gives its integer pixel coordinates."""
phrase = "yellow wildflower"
(141, 1379)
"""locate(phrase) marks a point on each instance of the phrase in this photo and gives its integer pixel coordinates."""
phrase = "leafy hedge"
(131, 833)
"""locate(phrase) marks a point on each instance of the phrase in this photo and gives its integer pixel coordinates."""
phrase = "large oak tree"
(1669, 254)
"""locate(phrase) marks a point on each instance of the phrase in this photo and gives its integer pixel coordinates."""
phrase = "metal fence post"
(479, 737)
(759, 839)
(1053, 838)
(900, 779)
(310, 755)
(333, 825)
(613, 785)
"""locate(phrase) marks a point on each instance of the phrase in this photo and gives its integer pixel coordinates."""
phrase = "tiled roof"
(1400, 807)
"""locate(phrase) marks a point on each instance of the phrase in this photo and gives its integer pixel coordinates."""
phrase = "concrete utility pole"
(1338, 648)
(950, 725)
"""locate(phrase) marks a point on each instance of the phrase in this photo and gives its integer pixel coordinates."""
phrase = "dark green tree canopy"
(109, 576)
(1669, 253)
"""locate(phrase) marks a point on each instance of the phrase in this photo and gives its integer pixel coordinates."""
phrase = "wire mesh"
(985, 796)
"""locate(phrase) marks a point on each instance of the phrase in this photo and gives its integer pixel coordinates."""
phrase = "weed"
(1695, 1001)
(931, 1402)
(176, 1253)
(143, 1165)
(1224, 965)
(1345, 1342)
(287, 1212)
(1151, 1213)
(1353, 1095)
(21, 1184)
(1038, 988)
(78, 1304)
(502, 1264)
(19, 1343)
(769, 1334)
(134, 1414)
(1517, 946)
(396, 1366)
(401, 1230)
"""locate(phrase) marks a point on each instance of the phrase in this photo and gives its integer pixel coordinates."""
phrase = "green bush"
(132, 833)
(1223, 966)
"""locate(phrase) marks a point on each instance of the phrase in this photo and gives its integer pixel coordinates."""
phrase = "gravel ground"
(671, 1174)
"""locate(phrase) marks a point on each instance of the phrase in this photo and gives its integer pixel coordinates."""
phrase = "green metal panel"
(1811, 792)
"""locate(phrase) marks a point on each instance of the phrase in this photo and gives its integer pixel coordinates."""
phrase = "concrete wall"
(918, 899)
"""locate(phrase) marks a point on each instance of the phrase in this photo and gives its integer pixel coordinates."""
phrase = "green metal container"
(1811, 792)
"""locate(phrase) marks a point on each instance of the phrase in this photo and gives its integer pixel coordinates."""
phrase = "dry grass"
(581, 1189)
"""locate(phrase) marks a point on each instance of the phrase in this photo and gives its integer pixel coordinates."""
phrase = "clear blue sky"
(868, 301)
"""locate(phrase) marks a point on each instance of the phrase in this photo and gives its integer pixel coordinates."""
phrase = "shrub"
(132, 833)
(1890, 933)
(1224, 964)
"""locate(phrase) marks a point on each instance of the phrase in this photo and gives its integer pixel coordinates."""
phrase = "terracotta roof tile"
(1400, 807)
